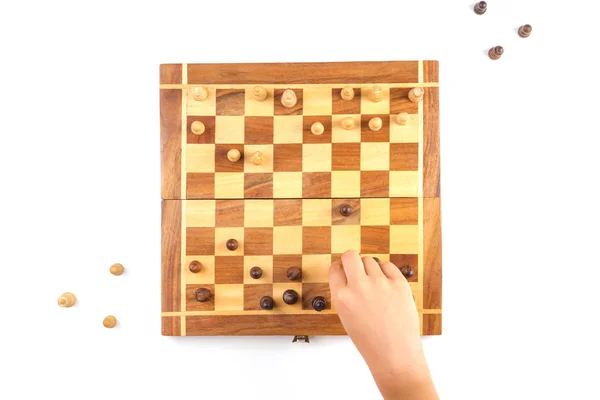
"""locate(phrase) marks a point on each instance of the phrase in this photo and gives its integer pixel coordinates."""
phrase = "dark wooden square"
(258, 186)
(338, 219)
(258, 241)
(200, 185)
(191, 304)
(287, 212)
(200, 241)
(403, 260)
(316, 240)
(281, 263)
(374, 183)
(404, 211)
(382, 135)
(279, 109)
(316, 185)
(341, 106)
(230, 102)
(312, 290)
(222, 163)
(404, 156)
(287, 157)
(345, 156)
(208, 137)
(432, 324)
(308, 136)
(258, 130)
(229, 269)
(374, 239)
(229, 213)
(253, 293)
(399, 101)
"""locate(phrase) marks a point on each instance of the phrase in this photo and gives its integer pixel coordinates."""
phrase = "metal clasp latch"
(300, 338)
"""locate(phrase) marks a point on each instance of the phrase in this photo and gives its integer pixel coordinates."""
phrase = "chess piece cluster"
(496, 52)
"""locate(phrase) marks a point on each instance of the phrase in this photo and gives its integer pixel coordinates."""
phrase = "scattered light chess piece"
(289, 99)
(198, 128)
(480, 8)
(402, 118)
(258, 158)
(109, 322)
(348, 123)
(496, 52)
(317, 128)
(347, 93)
(525, 31)
(234, 155)
(416, 94)
(199, 93)
(117, 269)
(67, 300)
(376, 94)
(375, 124)
(260, 93)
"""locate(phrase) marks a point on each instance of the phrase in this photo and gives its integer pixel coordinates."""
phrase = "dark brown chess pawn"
(496, 52)
(266, 303)
(525, 31)
(319, 303)
(232, 244)
(407, 271)
(255, 272)
(290, 296)
(195, 267)
(294, 274)
(345, 210)
(480, 8)
(202, 295)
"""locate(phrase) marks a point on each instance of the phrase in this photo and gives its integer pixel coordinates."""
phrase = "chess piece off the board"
(402, 118)
(294, 273)
(319, 303)
(260, 93)
(525, 31)
(290, 296)
(199, 93)
(67, 300)
(289, 99)
(255, 272)
(347, 93)
(375, 124)
(198, 128)
(496, 52)
(317, 128)
(109, 322)
(266, 303)
(480, 8)
(232, 244)
(195, 267)
(234, 155)
(117, 269)
(416, 94)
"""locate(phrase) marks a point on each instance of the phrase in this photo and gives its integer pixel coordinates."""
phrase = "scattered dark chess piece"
(525, 31)
(232, 244)
(345, 210)
(195, 266)
(202, 295)
(496, 52)
(266, 303)
(319, 303)
(255, 272)
(377, 260)
(294, 274)
(290, 296)
(480, 8)
(407, 271)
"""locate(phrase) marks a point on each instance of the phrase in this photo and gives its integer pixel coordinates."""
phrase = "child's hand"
(376, 307)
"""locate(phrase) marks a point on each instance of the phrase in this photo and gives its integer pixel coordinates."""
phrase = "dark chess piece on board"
(496, 52)
(255, 272)
(195, 266)
(266, 303)
(407, 271)
(290, 296)
(345, 210)
(202, 295)
(294, 273)
(232, 244)
(480, 8)
(319, 303)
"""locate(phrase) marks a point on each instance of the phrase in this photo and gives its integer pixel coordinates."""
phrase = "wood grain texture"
(171, 326)
(404, 156)
(316, 185)
(374, 183)
(312, 290)
(257, 325)
(280, 109)
(374, 239)
(432, 324)
(281, 263)
(258, 130)
(200, 186)
(432, 259)
(345, 156)
(171, 255)
(191, 304)
(431, 143)
(307, 73)
(431, 71)
(258, 186)
(230, 101)
(170, 143)
(229, 213)
(287, 157)
(341, 106)
(253, 294)
(208, 137)
(404, 211)
(229, 269)
(170, 73)
(404, 260)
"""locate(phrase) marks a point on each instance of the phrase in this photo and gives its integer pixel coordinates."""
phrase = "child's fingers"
(353, 266)
(372, 268)
(337, 277)
(390, 270)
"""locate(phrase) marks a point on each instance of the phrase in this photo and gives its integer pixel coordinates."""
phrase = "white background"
(79, 156)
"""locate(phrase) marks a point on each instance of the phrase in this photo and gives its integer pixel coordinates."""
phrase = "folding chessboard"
(285, 211)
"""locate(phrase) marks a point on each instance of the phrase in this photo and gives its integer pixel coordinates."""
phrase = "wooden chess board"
(285, 211)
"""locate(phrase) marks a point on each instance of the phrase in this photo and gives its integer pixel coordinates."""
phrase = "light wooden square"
(369, 107)
(206, 107)
(374, 211)
(207, 271)
(279, 289)
(287, 129)
(345, 237)
(229, 185)
(229, 129)
(345, 183)
(259, 108)
(266, 150)
(316, 157)
(404, 239)
(315, 268)
(408, 133)
(287, 240)
(317, 100)
(374, 156)
(200, 213)
(264, 262)
(287, 185)
(316, 212)
(258, 213)
(341, 135)
(404, 183)
(222, 235)
(229, 297)
(200, 158)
